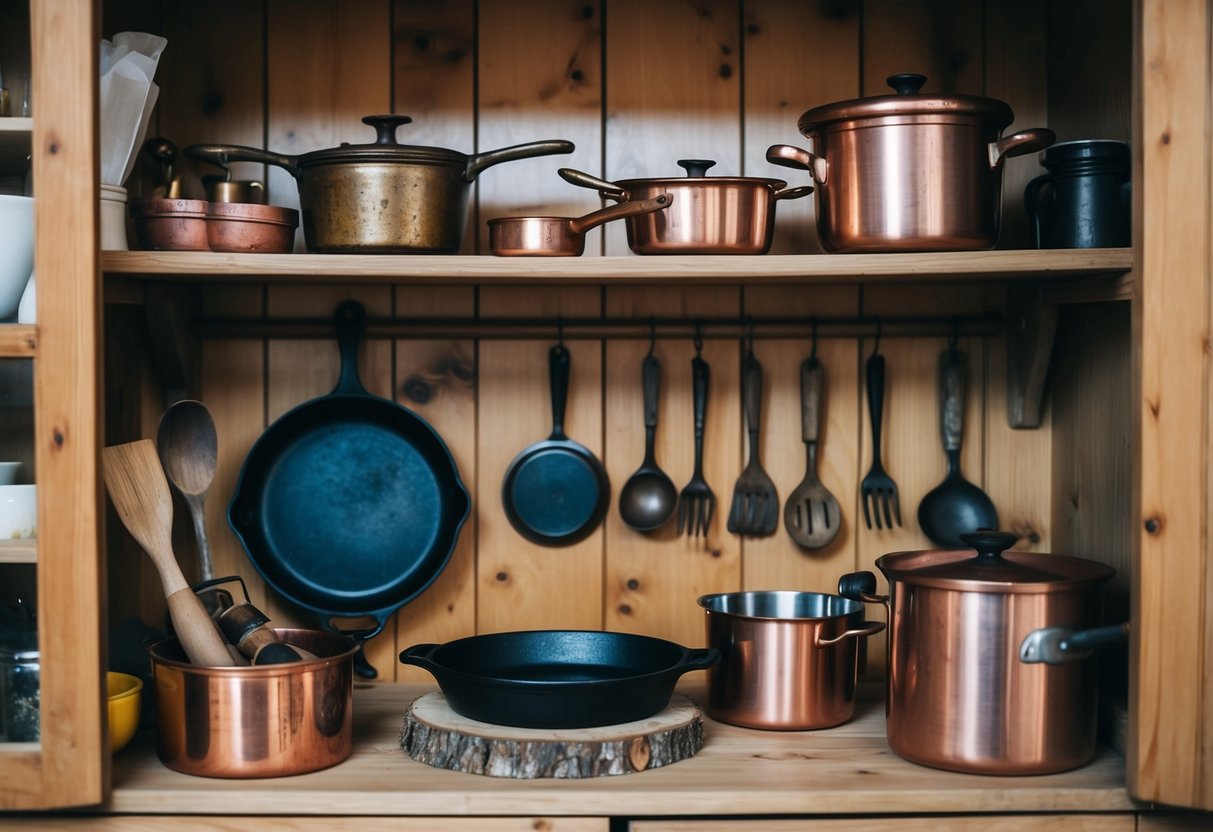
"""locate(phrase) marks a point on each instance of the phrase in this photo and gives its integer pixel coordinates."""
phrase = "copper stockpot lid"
(907, 101)
(993, 569)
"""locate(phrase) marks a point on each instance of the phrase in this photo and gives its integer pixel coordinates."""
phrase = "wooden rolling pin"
(140, 493)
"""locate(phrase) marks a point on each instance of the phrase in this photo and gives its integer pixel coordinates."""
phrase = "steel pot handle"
(785, 155)
(222, 154)
(1017, 144)
(1062, 645)
(480, 161)
(869, 628)
(584, 180)
(619, 211)
(421, 655)
(794, 193)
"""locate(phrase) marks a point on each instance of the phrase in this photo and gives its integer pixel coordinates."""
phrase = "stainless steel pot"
(382, 197)
(267, 721)
(960, 697)
(909, 172)
(709, 214)
(787, 659)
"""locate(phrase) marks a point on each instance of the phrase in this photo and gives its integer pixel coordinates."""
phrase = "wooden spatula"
(140, 493)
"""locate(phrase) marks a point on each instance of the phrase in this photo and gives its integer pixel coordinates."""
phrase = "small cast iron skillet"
(556, 492)
(558, 678)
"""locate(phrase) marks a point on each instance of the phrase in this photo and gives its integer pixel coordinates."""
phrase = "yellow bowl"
(124, 701)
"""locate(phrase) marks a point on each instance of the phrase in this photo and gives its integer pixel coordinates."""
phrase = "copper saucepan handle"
(584, 180)
(222, 154)
(785, 155)
(1017, 144)
(619, 210)
(794, 193)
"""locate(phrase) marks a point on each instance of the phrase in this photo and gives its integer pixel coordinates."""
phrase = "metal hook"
(652, 336)
(876, 343)
(955, 333)
(750, 334)
(813, 351)
(560, 332)
(698, 338)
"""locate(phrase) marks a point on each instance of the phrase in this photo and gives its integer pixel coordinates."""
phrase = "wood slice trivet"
(437, 736)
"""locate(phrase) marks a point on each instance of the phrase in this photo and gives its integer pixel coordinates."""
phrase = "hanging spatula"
(140, 493)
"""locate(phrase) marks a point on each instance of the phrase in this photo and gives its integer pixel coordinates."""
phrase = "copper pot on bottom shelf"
(559, 236)
(788, 660)
(267, 721)
(961, 694)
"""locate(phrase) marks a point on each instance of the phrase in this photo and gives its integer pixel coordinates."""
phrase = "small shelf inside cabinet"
(679, 269)
(19, 551)
(18, 340)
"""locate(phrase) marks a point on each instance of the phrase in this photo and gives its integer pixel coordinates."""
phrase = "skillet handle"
(350, 321)
(700, 659)
(420, 655)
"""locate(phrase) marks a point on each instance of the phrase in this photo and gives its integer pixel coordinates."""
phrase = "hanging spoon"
(188, 449)
(648, 498)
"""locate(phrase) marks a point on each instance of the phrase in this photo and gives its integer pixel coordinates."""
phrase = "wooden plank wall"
(636, 86)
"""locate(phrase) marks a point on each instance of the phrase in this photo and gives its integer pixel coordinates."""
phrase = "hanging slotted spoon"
(811, 515)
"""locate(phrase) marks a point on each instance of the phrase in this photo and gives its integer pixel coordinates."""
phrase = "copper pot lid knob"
(989, 543)
(906, 83)
(696, 167)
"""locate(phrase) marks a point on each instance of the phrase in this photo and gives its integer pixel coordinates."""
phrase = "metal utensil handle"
(874, 377)
(701, 379)
(548, 147)
(812, 381)
(351, 322)
(752, 394)
(558, 368)
(651, 374)
(222, 155)
(952, 398)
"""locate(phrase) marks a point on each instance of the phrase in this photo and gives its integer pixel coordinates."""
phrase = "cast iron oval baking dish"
(558, 678)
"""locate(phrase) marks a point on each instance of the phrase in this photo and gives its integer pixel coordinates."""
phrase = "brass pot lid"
(385, 148)
(909, 102)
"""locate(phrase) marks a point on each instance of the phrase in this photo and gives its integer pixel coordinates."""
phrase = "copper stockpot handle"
(223, 154)
(549, 147)
(785, 155)
(1017, 144)
(869, 628)
(584, 180)
(619, 210)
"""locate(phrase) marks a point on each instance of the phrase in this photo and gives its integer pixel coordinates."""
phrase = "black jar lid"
(1105, 151)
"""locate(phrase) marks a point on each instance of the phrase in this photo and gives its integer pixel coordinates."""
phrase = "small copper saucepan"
(560, 236)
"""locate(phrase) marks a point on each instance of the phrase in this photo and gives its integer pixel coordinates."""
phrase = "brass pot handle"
(869, 628)
(785, 155)
(477, 163)
(222, 154)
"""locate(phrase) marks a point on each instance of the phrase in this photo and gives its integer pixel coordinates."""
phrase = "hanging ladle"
(648, 498)
(955, 506)
(560, 236)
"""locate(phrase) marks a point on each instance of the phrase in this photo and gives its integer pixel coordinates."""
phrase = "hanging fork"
(878, 492)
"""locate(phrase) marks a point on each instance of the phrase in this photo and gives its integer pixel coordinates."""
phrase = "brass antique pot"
(382, 197)
(966, 688)
(788, 660)
(271, 720)
(709, 214)
(909, 172)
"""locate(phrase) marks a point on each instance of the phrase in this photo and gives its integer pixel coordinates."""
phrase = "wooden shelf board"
(843, 770)
(19, 551)
(783, 268)
(18, 340)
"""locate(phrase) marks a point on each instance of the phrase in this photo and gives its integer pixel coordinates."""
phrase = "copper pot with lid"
(382, 197)
(969, 688)
(709, 214)
(911, 171)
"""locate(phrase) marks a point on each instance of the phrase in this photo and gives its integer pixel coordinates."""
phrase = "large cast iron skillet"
(558, 678)
(349, 505)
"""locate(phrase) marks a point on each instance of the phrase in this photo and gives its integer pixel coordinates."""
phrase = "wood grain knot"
(640, 753)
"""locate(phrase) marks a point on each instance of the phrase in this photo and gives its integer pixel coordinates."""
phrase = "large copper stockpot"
(382, 197)
(709, 214)
(963, 692)
(909, 172)
(266, 721)
(788, 660)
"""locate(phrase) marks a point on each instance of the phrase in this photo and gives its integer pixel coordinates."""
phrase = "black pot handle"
(421, 655)
(350, 321)
(700, 659)
(1061, 645)
(989, 543)
(855, 585)
(906, 83)
(696, 168)
(385, 127)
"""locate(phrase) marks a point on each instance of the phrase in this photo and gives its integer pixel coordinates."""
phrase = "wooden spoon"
(188, 450)
(140, 493)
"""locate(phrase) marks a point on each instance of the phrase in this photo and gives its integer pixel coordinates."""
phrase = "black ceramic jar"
(1084, 200)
